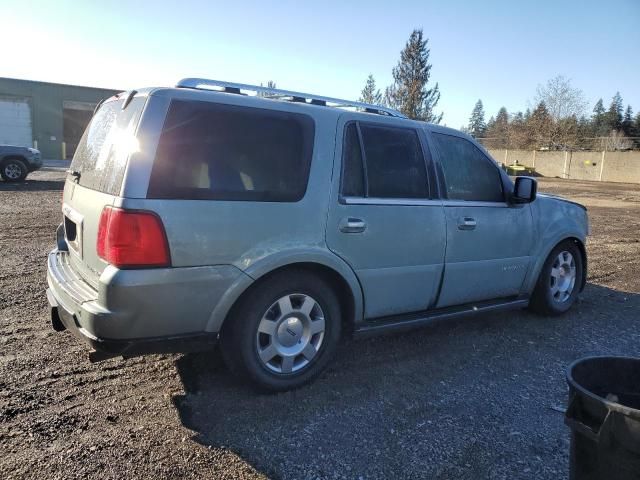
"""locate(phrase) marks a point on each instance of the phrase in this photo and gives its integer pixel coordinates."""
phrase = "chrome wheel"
(290, 333)
(13, 171)
(563, 277)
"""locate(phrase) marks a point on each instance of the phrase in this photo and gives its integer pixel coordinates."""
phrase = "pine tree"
(477, 125)
(270, 84)
(498, 132)
(598, 109)
(598, 120)
(370, 94)
(627, 122)
(614, 114)
(565, 133)
(585, 132)
(409, 93)
(518, 136)
(540, 126)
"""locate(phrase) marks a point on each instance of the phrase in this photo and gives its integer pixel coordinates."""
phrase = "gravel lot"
(475, 398)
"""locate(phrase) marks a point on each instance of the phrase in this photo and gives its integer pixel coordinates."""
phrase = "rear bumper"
(62, 319)
(135, 312)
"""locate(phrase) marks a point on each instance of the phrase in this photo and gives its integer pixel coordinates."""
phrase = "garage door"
(15, 122)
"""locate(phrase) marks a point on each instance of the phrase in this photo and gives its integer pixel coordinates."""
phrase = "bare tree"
(565, 104)
(561, 98)
(617, 141)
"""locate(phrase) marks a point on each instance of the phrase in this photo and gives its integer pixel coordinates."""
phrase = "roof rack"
(237, 88)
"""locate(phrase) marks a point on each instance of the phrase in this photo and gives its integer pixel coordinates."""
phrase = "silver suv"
(275, 223)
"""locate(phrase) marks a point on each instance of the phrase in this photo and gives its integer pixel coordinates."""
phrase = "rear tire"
(13, 170)
(284, 332)
(559, 281)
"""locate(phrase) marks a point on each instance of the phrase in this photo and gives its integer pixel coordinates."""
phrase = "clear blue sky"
(498, 51)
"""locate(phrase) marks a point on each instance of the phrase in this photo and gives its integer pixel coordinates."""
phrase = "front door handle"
(466, 223)
(352, 225)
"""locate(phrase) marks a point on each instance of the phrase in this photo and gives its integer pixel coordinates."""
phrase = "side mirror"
(525, 190)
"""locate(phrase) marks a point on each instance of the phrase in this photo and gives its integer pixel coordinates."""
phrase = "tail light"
(132, 238)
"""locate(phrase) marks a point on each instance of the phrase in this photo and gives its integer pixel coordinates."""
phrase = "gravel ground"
(470, 399)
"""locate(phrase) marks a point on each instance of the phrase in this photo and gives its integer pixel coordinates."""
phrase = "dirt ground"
(475, 398)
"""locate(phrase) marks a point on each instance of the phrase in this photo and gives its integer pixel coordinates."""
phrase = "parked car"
(274, 226)
(17, 162)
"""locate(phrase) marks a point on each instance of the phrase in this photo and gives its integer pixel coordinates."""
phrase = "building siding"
(46, 101)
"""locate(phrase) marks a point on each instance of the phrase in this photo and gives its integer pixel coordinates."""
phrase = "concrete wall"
(46, 101)
(605, 166)
(621, 167)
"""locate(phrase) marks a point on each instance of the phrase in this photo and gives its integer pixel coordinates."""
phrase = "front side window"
(468, 173)
(225, 152)
(383, 162)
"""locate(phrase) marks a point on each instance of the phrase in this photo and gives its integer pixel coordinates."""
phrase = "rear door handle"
(352, 225)
(466, 223)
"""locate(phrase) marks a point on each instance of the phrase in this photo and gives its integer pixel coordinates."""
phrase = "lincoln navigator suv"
(273, 223)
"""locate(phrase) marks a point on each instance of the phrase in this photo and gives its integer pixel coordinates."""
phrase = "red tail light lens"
(128, 239)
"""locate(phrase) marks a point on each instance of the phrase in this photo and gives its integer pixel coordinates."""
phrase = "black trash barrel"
(604, 417)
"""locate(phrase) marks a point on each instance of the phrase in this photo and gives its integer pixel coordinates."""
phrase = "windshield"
(101, 157)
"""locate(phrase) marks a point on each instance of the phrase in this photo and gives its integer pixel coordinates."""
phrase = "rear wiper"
(75, 174)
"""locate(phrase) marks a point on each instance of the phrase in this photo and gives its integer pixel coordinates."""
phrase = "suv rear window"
(225, 152)
(101, 156)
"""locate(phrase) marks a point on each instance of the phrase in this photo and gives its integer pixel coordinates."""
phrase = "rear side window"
(101, 156)
(468, 173)
(383, 162)
(353, 170)
(224, 152)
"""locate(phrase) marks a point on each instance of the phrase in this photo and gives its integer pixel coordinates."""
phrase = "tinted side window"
(468, 173)
(352, 168)
(213, 151)
(393, 163)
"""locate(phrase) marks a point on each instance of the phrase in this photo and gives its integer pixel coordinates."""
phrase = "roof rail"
(229, 87)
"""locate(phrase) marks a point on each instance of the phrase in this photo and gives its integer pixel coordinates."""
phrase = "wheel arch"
(542, 257)
(17, 159)
(335, 272)
(13, 156)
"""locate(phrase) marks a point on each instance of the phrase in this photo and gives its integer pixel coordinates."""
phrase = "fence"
(599, 166)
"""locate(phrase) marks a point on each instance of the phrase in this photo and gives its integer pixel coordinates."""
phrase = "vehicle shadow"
(30, 185)
(440, 402)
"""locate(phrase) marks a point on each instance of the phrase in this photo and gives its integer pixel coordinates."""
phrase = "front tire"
(559, 280)
(284, 332)
(13, 170)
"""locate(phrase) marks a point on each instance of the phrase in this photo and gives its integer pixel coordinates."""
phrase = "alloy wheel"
(290, 333)
(563, 277)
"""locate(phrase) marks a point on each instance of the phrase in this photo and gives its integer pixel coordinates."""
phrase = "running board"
(414, 320)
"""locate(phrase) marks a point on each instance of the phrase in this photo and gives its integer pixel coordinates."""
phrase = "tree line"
(559, 122)
(410, 92)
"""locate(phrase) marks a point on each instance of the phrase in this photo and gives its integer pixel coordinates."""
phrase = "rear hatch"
(95, 178)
